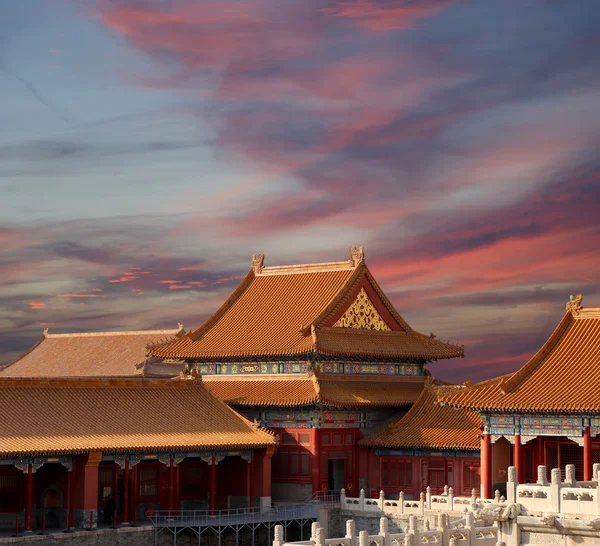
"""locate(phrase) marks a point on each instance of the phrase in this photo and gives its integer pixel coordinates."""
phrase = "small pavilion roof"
(562, 377)
(428, 425)
(293, 310)
(87, 354)
(336, 390)
(74, 415)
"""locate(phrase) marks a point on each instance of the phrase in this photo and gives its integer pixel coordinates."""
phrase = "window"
(292, 466)
(105, 482)
(10, 482)
(148, 483)
(471, 478)
(396, 472)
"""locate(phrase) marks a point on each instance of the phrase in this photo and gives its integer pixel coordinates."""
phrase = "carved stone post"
(595, 470)
(428, 497)
(381, 500)
(554, 497)
(278, 539)
(450, 498)
(351, 531)
(497, 497)
(320, 538)
(474, 497)
(342, 498)
(570, 475)
(313, 530)
(384, 531)
(361, 500)
(363, 538)
(511, 485)
(401, 501)
(422, 504)
(542, 475)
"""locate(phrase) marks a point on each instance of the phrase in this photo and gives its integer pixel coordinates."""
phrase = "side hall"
(546, 413)
(75, 452)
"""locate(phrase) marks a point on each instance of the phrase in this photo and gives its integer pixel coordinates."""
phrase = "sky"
(148, 148)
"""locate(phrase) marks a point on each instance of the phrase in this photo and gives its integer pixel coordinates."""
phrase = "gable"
(362, 314)
(364, 309)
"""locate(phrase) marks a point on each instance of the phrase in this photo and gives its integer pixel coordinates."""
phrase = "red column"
(518, 458)
(115, 493)
(171, 480)
(69, 499)
(213, 484)
(125, 517)
(135, 492)
(29, 501)
(177, 488)
(266, 472)
(486, 466)
(316, 459)
(250, 489)
(90, 488)
(587, 454)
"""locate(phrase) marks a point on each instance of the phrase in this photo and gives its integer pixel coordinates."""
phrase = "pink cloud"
(37, 305)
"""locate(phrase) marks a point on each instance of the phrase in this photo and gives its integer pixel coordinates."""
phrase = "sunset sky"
(148, 148)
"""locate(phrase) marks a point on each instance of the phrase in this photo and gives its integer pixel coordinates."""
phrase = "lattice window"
(396, 472)
(9, 491)
(362, 315)
(149, 483)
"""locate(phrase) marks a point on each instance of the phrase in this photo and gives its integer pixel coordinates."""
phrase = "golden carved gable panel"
(362, 315)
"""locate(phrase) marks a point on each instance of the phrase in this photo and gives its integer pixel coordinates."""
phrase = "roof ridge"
(536, 360)
(117, 333)
(357, 256)
(137, 382)
(196, 334)
(305, 268)
(23, 355)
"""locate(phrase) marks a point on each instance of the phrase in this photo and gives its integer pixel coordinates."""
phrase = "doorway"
(336, 474)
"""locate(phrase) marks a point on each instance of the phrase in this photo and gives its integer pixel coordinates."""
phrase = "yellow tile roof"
(563, 376)
(53, 416)
(429, 425)
(335, 390)
(86, 354)
(278, 311)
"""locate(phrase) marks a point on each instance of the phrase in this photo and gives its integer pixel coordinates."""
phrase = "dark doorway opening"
(335, 471)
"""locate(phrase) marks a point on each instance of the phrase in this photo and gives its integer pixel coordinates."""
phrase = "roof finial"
(357, 255)
(180, 326)
(45, 332)
(258, 263)
(574, 304)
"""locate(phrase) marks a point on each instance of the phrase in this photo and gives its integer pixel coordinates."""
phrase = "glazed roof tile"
(86, 354)
(54, 416)
(279, 311)
(563, 376)
(384, 344)
(428, 425)
(335, 390)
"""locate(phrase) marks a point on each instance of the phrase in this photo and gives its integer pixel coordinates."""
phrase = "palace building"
(546, 413)
(318, 354)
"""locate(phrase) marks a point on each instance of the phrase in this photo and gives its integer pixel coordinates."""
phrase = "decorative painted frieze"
(318, 418)
(530, 426)
(427, 453)
(326, 367)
